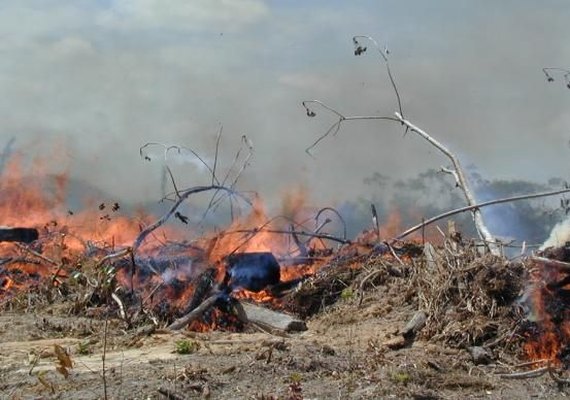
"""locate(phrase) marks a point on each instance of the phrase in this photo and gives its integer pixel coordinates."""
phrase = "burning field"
(97, 303)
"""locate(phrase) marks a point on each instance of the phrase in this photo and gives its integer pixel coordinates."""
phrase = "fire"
(168, 278)
(548, 337)
(7, 283)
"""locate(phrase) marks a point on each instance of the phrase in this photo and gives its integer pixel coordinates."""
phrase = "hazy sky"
(97, 79)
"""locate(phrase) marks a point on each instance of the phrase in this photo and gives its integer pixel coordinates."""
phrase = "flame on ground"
(71, 241)
(548, 336)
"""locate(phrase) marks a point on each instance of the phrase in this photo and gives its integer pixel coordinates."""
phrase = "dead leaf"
(63, 359)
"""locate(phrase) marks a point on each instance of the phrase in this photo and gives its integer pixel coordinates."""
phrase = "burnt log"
(251, 271)
(24, 235)
(415, 325)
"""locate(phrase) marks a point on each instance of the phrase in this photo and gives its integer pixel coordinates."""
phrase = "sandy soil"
(342, 355)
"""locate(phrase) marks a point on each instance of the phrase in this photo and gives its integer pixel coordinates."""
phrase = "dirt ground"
(342, 355)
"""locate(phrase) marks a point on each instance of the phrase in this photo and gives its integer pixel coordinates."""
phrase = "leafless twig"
(462, 182)
(334, 128)
(178, 149)
(334, 211)
(216, 153)
(565, 75)
(384, 54)
(183, 196)
(27, 249)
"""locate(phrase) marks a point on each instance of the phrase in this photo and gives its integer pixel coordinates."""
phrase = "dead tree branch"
(179, 150)
(359, 49)
(183, 196)
(334, 128)
(462, 182)
(475, 206)
(195, 313)
(565, 75)
(458, 172)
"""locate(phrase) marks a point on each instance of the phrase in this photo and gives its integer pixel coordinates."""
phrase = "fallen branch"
(272, 320)
(416, 324)
(195, 313)
(561, 265)
(288, 232)
(535, 373)
(36, 254)
(169, 394)
(557, 379)
(474, 206)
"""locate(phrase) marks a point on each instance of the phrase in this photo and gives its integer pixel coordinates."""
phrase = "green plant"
(185, 346)
(83, 348)
(347, 293)
(400, 377)
(295, 377)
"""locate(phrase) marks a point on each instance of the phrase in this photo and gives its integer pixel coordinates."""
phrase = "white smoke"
(559, 235)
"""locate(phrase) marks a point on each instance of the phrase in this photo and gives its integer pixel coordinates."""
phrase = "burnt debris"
(24, 235)
(251, 271)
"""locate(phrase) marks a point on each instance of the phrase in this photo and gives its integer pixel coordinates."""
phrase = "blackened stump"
(251, 271)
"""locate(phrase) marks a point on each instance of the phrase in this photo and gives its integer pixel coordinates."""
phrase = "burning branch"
(181, 322)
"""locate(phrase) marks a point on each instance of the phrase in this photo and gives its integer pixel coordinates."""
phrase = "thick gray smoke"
(103, 78)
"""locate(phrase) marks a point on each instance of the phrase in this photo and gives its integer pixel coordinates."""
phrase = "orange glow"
(553, 334)
(30, 197)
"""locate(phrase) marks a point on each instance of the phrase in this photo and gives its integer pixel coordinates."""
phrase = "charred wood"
(416, 324)
(251, 271)
(180, 323)
(204, 285)
(24, 235)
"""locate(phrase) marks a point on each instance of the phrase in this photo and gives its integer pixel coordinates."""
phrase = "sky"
(86, 83)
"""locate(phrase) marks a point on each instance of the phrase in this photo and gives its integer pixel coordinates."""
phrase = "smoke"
(559, 236)
(109, 77)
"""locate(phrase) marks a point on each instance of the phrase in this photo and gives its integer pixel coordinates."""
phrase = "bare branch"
(565, 75)
(475, 206)
(335, 127)
(216, 152)
(179, 150)
(384, 55)
(195, 313)
(452, 173)
(216, 200)
(535, 373)
(482, 229)
(334, 211)
(183, 196)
